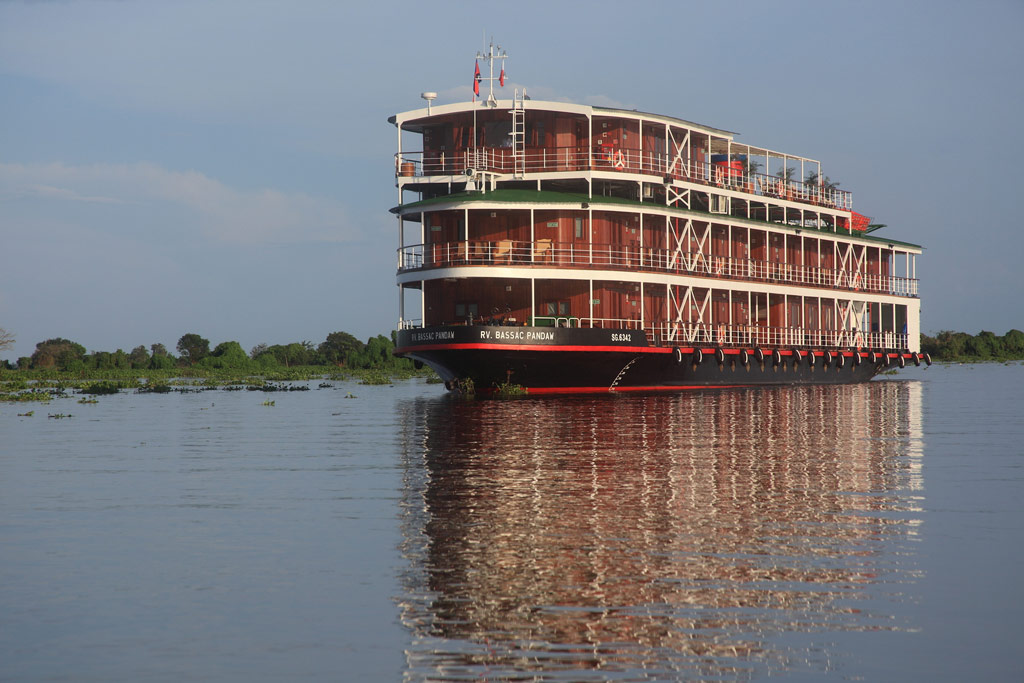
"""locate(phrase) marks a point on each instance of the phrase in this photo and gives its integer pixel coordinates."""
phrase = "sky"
(225, 167)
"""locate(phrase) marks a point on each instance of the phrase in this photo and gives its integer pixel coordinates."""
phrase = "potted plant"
(784, 175)
(823, 186)
(750, 168)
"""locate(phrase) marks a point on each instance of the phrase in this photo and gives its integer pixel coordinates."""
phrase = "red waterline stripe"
(606, 390)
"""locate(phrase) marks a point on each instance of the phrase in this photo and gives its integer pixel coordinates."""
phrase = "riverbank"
(21, 386)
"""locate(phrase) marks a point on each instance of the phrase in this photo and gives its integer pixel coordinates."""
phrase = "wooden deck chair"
(542, 250)
(503, 251)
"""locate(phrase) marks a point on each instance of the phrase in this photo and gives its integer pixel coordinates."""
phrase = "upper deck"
(524, 140)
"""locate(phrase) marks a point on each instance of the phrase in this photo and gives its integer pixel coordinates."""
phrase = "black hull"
(548, 360)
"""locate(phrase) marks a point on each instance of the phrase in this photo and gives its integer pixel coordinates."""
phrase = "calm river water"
(868, 532)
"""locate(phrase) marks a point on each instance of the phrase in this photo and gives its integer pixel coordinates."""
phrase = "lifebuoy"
(698, 356)
(902, 361)
(840, 360)
(678, 354)
(827, 358)
(810, 358)
(744, 357)
(927, 359)
(759, 354)
(776, 357)
(720, 355)
(797, 356)
(619, 160)
(886, 359)
(917, 359)
(857, 359)
(873, 357)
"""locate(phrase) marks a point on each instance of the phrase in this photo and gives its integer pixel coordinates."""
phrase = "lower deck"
(548, 360)
(730, 314)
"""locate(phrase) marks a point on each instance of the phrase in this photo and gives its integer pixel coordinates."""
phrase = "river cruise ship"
(562, 247)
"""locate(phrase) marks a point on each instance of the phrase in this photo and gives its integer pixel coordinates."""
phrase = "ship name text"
(517, 335)
(436, 335)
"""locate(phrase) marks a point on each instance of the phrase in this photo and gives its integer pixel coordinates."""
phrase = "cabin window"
(498, 134)
(536, 134)
(719, 204)
(462, 230)
(558, 308)
(464, 309)
(578, 227)
(437, 137)
(659, 145)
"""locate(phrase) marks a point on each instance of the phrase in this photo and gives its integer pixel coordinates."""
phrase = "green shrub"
(100, 388)
(375, 377)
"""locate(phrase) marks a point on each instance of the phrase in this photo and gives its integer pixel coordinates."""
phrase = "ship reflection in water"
(703, 535)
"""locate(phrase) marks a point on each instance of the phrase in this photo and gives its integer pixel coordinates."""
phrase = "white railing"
(547, 252)
(705, 335)
(748, 336)
(558, 159)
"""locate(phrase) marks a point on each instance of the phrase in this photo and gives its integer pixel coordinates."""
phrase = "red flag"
(501, 79)
(476, 79)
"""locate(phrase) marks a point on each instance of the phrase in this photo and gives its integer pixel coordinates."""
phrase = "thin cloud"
(220, 212)
(605, 101)
(54, 193)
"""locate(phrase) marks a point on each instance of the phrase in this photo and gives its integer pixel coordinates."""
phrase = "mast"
(493, 53)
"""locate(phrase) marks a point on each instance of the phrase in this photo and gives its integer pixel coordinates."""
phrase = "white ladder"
(519, 135)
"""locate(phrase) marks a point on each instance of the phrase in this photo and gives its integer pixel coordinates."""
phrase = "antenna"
(493, 52)
(429, 97)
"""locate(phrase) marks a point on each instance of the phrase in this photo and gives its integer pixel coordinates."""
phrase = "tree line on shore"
(339, 349)
(960, 346)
